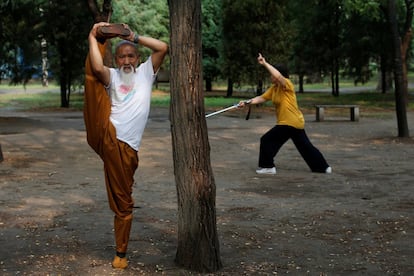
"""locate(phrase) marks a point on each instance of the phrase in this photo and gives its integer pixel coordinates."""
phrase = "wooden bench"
(320, 110)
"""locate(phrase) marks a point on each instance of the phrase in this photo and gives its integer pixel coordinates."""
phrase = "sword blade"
(222, 110)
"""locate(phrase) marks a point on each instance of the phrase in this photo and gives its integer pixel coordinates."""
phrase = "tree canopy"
(317, 39)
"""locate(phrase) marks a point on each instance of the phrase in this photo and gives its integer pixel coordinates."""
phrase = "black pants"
(273, 140)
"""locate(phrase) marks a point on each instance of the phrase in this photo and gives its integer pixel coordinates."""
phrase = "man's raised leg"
(97, 106)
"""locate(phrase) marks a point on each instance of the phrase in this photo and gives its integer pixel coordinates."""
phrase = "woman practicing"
(290, 124)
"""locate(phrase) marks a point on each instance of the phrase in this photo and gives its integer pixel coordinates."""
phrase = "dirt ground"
(55, 220)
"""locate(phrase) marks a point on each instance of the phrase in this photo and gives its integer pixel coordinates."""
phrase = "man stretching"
(116, 108)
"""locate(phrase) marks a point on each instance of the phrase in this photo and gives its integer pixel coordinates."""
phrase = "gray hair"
(126, 42)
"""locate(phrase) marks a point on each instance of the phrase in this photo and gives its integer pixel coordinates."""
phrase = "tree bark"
(405, 44)
(229, 92)
(259, 88)
(334, 81)
(385, 82)
(337, 75)
(45, 62)
(63, 74)
(198, 245)
(400, 104)
(301, 81)
(209, 84)
(103, 15)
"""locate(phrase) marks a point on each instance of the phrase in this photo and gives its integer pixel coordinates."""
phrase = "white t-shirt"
(130, 105)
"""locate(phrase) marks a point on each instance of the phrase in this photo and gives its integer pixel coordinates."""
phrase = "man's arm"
(159, 50)
(96, 59)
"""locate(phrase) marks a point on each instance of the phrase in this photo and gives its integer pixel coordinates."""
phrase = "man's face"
(126, 58)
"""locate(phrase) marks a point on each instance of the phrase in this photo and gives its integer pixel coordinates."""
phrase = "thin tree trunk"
(229, 88)
(301, 80)
(63, 89)
(400, 104)
(405, 44)
(259, 89)
(45, 63)
(334, 92)
(337, 76)
(383, 81)
(209, 84)
(198, 245)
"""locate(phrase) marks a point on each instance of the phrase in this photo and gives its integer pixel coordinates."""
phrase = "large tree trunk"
(198, 245)
(400, 103)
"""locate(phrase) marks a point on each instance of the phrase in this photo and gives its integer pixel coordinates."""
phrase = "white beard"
(127, 78)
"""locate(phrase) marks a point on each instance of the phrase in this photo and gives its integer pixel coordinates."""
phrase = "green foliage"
(251, 27)
(365, 8)
(146, 17)
(366, 40)
(212, 38)
(307, 34)
(355, 32)
(17, 42)
(64, 25)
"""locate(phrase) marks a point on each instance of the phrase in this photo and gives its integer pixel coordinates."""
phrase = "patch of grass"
(221, 101)
(38, 101)
(7, 86)
(369, 101)
(30, 101)
(76, 101)
(216, 99)
(160, 98)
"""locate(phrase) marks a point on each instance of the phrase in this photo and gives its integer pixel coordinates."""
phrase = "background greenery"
(371, 102)
(309, 35)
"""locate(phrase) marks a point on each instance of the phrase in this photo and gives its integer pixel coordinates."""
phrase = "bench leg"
(320, 114)
(355, 114)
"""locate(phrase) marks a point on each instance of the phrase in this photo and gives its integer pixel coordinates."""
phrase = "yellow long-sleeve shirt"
(286, 106)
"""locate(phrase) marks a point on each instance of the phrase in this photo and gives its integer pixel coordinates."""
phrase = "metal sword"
(226, 109)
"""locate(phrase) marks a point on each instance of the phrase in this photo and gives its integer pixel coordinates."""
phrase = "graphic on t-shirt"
(124, 92)
(127, 82)
(125, 89)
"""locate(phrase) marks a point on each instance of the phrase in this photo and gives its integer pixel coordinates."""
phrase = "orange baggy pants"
(120, 160)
